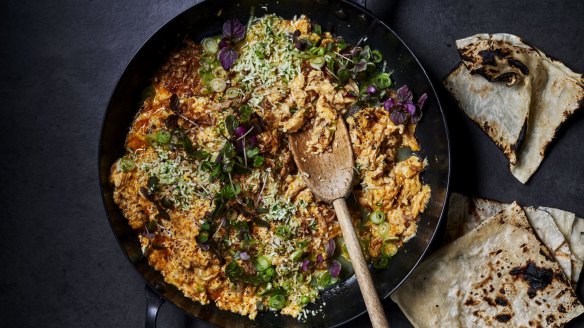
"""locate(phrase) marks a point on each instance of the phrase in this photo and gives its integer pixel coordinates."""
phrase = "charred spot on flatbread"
(536, 277)
(496, 61)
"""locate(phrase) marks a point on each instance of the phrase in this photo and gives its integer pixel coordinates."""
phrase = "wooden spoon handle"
(374, 308)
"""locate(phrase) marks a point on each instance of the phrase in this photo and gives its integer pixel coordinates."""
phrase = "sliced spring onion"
(283, 231)
(277, 302)
(345, 251)
(218, 84)
(381, 262)
(324, 279)
(232, 215)
(262, 263)
(203, 236)
(163, 137)
(126, 164)
(296, 255)
(383, 80)
(317, 62)
(377, 217)
(384, 230)
(304, 300)
(205, 226)
(218, 71)
(209, 58)
(376, 56)
(267, 275)
(270, 272)
(388, 249)
(232, 93)
(210, 45)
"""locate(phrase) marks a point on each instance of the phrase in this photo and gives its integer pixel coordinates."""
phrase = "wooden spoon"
(329, 176)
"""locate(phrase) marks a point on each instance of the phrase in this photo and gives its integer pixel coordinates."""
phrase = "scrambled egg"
(168, 196)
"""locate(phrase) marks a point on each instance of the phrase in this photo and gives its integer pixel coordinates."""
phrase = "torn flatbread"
(498, 275)
(572, 228)
(516, 94)
(465, 214)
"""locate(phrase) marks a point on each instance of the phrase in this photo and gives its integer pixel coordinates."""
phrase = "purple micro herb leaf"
(404, 95)
(389, 103)
(422, 100)
(224, 43)
(360, 66)
(298, 43)
(301, 44)
(295, 35)
(398, 115)
(319, 258)
(227, 57)
(244, 256)
(148, 235)
(219, 158)
(330, 248)
(416, 117)
(355, 50)
(371, 89)
(233, 29)
(335, 269)
(240, 131)
(351, 94)
(252, 141)
(305, 265)
(411, 108)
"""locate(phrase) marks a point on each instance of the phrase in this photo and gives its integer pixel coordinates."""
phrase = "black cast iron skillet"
(344, 302)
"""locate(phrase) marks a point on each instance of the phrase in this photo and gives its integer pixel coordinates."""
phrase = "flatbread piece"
(498, 275)
(467, 213)
(516, 94)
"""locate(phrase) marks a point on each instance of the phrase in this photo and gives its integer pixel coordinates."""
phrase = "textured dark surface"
(60, 264)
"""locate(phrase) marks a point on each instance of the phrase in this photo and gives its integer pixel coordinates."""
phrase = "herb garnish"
(233, 32)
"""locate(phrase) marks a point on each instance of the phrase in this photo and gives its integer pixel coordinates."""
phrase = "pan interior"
(343, 302)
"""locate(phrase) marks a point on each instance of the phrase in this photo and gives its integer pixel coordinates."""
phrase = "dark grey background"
(60, 265)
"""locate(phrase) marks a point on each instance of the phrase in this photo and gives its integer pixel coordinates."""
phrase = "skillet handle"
(153, 304)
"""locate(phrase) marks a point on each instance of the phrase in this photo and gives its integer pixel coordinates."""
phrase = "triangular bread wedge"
(516, 94)
(497, 275)
(481, 101)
